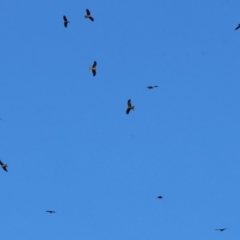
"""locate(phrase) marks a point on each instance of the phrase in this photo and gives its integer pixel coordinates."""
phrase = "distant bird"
(50, 211)
(238, 26)
(151, 87)
(221, 229)
(3, 166)
(65, 21)
(93, 68)
(89, 15)
(159, 197)
(129, 107)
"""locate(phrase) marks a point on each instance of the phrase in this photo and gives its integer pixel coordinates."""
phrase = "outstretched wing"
(128, 110)
(94, 72)
(1, 163)
(88, 12)
(64, 18)
(237, 27)
(94, 64)
(5, 169)
(65, 24)
(129, 103)
(91, 18)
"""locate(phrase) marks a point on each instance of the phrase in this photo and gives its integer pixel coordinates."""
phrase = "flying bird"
(50, 211)
(3, 166)
(93, 68)
(159, 197)
(129, 107)
(65, 21)
(151, 87)
(89, 15)
(238, 26)
(221, 229)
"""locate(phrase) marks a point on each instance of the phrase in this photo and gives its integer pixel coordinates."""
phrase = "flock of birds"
(94, 72)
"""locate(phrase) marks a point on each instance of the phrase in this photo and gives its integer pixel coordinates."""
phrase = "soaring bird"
(129, 107)
(151, 87)
(65, 21)
(238, 26)
(3, 166)
(50, 211)
(159, 197)
(93, 68)
(221, 229)
(89, 15)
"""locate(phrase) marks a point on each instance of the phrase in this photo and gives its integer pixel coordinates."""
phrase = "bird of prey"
(65, 21)
(129, 107)
(151, 87)
(3, 166)
(221, 229)
(159, 197)
(50, 211)
(89, 15)
(238, 26)
(93, 68)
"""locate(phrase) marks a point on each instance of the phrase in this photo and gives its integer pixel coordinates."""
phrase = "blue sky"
(69, 144)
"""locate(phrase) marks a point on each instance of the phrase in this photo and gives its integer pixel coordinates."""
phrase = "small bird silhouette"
(159, 197)
(65, 21)
(238, 26)
(93, 68)
(3, 166)
(89, 15)
(129, 107)
(50, 211)
(151, 87)
(221, 229)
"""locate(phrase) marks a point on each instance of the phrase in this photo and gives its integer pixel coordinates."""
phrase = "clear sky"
(71, 147)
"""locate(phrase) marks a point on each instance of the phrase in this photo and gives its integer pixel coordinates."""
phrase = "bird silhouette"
(93, 68)
(3, 166)
(89, 15)
(129, 107)
(159, 197)
(238, 26)
(221, 229)
(50, 211)
(151, 87)
(65, 21)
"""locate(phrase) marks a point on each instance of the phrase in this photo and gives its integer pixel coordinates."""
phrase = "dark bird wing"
(237, 27)
(91, 18)
(1, 163)
(128, 110)
(5, 169)
(129, 103)
(221, 229)
(160, 197)
(65, 19)
(94, 64)
(94, 72)
(65, 24)
(155, 86)
(88, 12)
